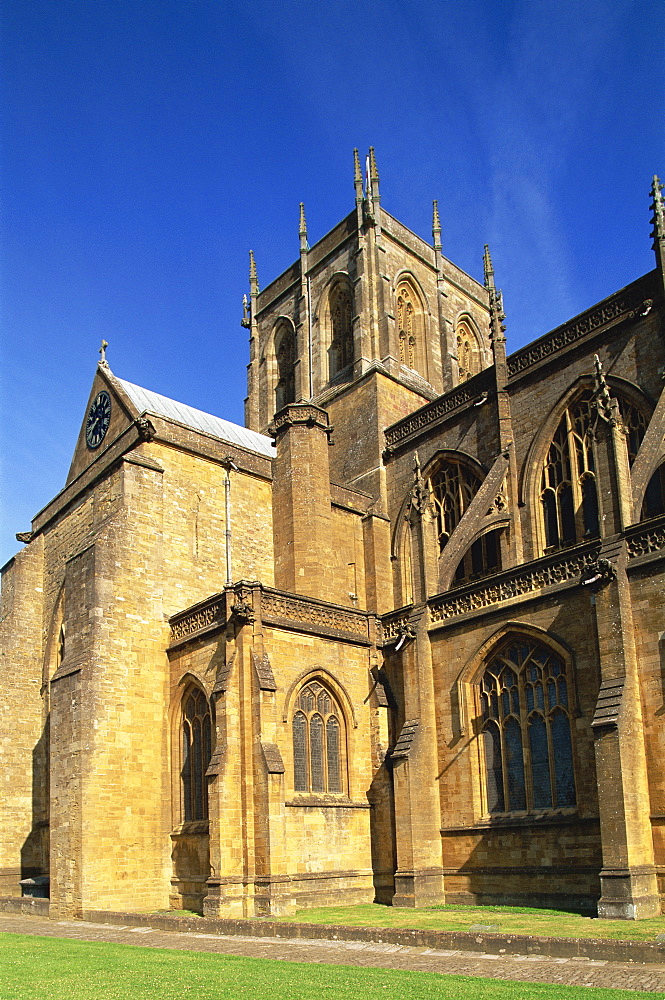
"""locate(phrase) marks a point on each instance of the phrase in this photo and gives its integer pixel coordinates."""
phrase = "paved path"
(570, 972)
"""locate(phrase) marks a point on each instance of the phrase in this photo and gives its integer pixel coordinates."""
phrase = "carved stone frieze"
(300, 413)
(296, 610)
(465, 393)
(619, 306)
(203, 618)
(518, 583)
(646, 541)
(394, 628)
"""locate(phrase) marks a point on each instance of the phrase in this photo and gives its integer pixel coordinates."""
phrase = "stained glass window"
(196, 751)
(317, 741)
(527, 739)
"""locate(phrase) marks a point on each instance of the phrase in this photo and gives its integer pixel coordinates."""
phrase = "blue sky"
(148, 144)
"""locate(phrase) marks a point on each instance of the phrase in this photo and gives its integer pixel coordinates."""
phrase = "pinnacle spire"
(357, 173)
(302, 230)
(487, 268)
(497, 315)
(373, 172)
(436, 226)
(658, 209)
(253, 279)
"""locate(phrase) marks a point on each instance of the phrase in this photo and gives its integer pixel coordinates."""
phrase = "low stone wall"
(489, 944)
(25, 905)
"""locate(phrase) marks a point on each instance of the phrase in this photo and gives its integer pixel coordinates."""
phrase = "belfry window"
(285, 355)
(468, 351)
(410, 327)
(317, 741)
(526, 734)
(341, 321)
(196, 750)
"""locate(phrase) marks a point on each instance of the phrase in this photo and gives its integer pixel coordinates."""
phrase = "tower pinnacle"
(373, 172)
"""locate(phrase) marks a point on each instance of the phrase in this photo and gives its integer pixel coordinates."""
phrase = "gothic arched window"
(480, 559)
(318, 740)
(341, 353)
(568, 488)
(569, 495)
(526, 734)
(654, 497)
(468, 351)
(453, 486)
(285, 355)
(410, 331)
(196, 750)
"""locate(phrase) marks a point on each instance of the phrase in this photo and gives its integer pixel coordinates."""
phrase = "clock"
(97, 422)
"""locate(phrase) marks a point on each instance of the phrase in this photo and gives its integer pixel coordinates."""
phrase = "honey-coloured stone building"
(401, 638)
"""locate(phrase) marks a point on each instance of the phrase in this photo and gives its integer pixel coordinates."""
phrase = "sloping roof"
(144, 399)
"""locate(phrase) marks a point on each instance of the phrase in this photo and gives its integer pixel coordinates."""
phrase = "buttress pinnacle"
(253, 279)
(658, 209)
(436, 226)
(487, 268)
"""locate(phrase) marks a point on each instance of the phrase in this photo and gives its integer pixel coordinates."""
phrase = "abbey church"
(401, 638)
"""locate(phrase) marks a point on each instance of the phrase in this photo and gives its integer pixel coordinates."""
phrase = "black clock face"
(99, 417)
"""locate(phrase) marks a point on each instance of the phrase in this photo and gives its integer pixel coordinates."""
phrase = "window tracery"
(453, 487)
(409, 327)
(526, 733)
(468, 351)
(317, 741)
(341, 321)
(196, 750)
(568, 487)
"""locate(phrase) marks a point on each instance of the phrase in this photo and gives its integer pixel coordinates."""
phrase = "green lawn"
(61, 969)
(511, 919)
